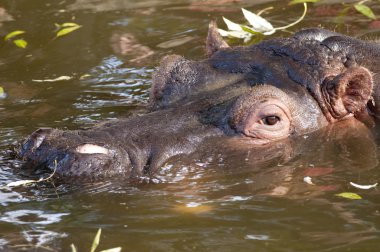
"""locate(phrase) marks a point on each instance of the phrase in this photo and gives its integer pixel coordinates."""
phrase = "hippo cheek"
(257, 156)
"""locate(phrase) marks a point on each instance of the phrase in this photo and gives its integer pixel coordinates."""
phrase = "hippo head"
(254, 96)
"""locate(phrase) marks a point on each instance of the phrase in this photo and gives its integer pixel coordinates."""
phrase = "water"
(211, 201)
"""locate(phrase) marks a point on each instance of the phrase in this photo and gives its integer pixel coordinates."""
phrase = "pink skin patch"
(91, 149)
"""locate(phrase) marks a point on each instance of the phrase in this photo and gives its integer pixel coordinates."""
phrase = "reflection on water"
(36, 217)
(229, 198)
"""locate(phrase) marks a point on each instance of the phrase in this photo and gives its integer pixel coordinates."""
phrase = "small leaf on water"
(13, 34)
(223, 33)
(96, 241)
(85, 76)
(231, 25)
(365, 10)
(1, 91)
(20, 43)
(302, 1)
(258, 23)
(349, 195)
(60, 78)
(67, 30)
(65, 25)
(234, 34)
(118, 249)
(73, 248)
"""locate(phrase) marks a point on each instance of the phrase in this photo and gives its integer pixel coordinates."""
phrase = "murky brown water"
(211, 201)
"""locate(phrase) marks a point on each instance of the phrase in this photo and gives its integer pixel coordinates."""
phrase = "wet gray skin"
(256, 96)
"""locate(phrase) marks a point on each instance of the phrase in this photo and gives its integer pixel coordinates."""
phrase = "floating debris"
(60, 78)
(365, 187)
(308, 180)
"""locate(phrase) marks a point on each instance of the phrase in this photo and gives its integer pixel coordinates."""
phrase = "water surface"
(211, 201)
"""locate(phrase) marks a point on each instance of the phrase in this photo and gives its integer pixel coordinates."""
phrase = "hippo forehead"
(305, 62)
(297, 65)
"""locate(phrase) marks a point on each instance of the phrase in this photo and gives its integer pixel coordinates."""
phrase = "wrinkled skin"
(258, 96)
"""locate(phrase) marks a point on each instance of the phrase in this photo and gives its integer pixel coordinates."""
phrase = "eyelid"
(268, 114)
(272, 111)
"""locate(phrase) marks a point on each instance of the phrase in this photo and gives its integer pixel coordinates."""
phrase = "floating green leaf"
(13, 34)
(73, 248)
(349, 195)
(96, 241)
(67, 30)
(64, 25)
(85, 76)
(118, 249)
(95, 244)
(20, 43)
(2, 93)
(302, 1)
(365, 10)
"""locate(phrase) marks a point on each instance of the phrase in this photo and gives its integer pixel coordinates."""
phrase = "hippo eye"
(270, 120)
(262, 121)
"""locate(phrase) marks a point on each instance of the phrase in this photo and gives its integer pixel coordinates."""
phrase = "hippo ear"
(214, 41)
(348, 93)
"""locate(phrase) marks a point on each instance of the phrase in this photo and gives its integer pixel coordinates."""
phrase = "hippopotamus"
(253, 96)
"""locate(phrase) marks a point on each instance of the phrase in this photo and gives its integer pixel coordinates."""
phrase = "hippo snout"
(69, 155)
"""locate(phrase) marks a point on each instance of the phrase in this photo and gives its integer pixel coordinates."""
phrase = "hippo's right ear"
(348, 92)
(214, 41)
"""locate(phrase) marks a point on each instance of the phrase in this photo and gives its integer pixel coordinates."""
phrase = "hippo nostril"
(91, 149)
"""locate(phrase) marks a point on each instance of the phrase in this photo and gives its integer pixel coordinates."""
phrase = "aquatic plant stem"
(295, 22)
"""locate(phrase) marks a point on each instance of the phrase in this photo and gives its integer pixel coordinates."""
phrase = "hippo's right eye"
(261, 118)
(271, 120)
